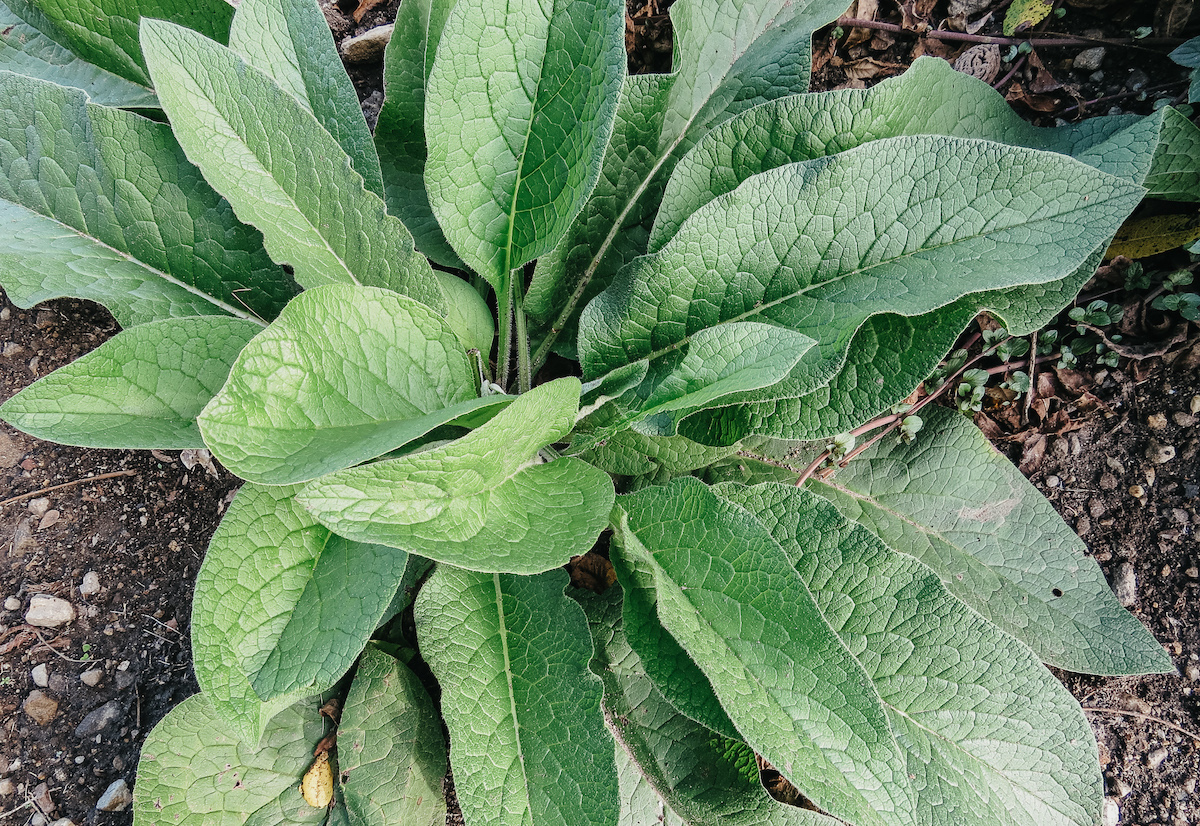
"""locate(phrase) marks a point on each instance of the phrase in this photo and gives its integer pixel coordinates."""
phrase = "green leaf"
(527, 739)
(729, 56)
(729, 595)
(989, 216)
(196, 771)
(344, 374)
(262, 149)
(390, 743)
(290, 42)
(467, 313)
(1175, 175)
(989, 735)
(400, 130)
(1012, 558)
(482, 502)
(665, 758)
(629, 453)
(515, 149)
(101, 204)
(105, 32)
(282, 607)
(143, 388)
(28, 47)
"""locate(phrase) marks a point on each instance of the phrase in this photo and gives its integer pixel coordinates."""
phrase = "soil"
(1115, 450)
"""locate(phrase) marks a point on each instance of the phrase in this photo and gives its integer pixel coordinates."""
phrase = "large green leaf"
(518, 111)
(196, 771)
(390, 743)
(961, 508)
(344, 374)
(665, 759)
(900, 225)
(527, 738)
(730, 596)
(400, 130)
(105, 32)
(1175, 174)
(282, 606)
(143, 388)
(729, 56)
(290, 42)
(484, 501)
(267, 153)
(101, 204)
(990, 736)
(28, 47)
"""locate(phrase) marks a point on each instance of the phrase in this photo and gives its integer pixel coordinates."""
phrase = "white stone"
(367, 46)
(115, 798)
(41, 677)
(90, 584)
(1125, 585)
(92, 677)
(12, 604)
(49, 612)
(1112, 812)
(1089, 60)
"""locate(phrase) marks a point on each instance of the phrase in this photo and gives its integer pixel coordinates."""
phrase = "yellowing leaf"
(1027, 12)
(317, 785)
(1144, 237)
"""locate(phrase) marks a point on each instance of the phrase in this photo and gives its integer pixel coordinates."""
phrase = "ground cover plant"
(744, 274)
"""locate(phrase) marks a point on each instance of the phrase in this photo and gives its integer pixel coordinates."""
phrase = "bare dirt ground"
(120, 535)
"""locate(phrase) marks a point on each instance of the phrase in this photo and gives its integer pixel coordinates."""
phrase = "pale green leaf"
(196, 771)
(344, 374)
(484, 501)
(1175, 175)
(629, 453)
(672, 771)
(105, 32)
(143, 388)
(990, 736)
(952, 502)
(28, 47)
(282, 606)
(101, 204)
(467, 313)
(289, 41)
(390, 743)
(515, 147)
(283, 173)
(730, 596)
(527, 737)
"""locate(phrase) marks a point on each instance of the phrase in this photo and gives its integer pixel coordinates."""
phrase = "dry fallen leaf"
(317, 785)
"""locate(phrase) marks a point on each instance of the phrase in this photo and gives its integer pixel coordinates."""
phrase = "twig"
(1147, 717)
(1016, 67)
(963, 37)
(52, 488)
(1122, 95)
(54, 651)
(1033, 365)
(13, 811)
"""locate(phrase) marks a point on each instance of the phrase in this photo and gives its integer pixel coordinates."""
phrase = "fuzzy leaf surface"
(282, 606)
(390, 742)
(105, 32)
(141, 389)
(989, 735)
(197, 771)
(731, 598)
(101, 204)
(1175, 175)
(28, 47)
(527, 738)
(962, 509)
(283, 173)
(481, 502)
(673, 771)
(344, 374)
(515, 147)
(290, 42)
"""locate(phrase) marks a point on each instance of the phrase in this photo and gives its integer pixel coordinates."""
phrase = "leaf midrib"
(508, 676)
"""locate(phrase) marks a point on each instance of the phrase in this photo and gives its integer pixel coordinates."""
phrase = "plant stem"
(504, 308)
(963, 37)
(524, 378)
(41, 491)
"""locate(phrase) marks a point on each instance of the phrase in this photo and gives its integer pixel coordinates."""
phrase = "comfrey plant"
(737, 267)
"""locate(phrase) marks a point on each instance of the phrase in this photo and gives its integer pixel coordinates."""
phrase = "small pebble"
(367, 46)
(1192, 672)
(100, 719)
(1184, 419)
(1137, 491)
(1083, 525)
(1053, 482)
(1160, 454)
(40, 676)
(1156, 421)
(1108, 481)
(90, 584)
(115, 798)
(92, 677)
(1089, 60)
(1155, 758)
(12, 604)
(1112, 812)
(63, 821)
(1114, 463)
(39, 506)
(1125, 584)
(1193, 572)
(1194, 405)
(7, 787)
(38, 819)
(40, 707)
(1121, 788)
(49, 612)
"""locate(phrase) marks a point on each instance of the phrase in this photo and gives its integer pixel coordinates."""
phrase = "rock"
(125, 679)
(7, 787)
(1183, 419)
(1108, 481)
(12, 604)
(1194, 405)
(1121, 789)
(981, 61)
(1155, 758)
(10, 452)
(115, 798)
(1160, 454)
(1112, 812)
(1192, 672)
(63, 821)
(367, 46)
(100, 719)
(968, 8)
(38, 507)
(1125, 584)
(1156, 421)
(49, 612)
(38, 819)
(90, 584)
(40, 707)
(40, 676)
(92, 677)
(1089, 60)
